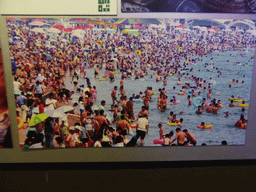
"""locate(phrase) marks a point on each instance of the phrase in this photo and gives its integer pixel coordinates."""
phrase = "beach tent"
(131, 32)
(126, 22)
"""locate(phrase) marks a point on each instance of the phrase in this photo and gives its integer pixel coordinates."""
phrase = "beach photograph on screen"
(101, 82)
(188, 6)
(5, 130)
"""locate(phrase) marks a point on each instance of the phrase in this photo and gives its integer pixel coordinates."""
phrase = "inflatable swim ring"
(137, 100)
(177, 102)
(172, 124)
(180, 93)
(232, 98)
(20, 122)
(102, 79)
(243, 105)
(238, 100)
(138, 52)
(104, 76)
(133, 125)
(206, 127)
(117, 72)
(158, 141)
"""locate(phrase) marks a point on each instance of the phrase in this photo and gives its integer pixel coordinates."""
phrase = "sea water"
(222, 127)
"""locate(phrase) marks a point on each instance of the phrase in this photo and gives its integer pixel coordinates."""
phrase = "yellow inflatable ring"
(20, 122)
(172, 124)
(238, 100)
(243, 105)
(205, 127)
(232, 98)
(138, 52)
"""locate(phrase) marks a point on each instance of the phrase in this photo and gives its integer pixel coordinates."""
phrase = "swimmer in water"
(199, 110)
(231, 104)
(203, 125)
(171, 116)
(209, 95)
(181, 122)
(171, 102)
(189, 100)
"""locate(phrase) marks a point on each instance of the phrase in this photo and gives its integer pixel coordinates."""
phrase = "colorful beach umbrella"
(35, 110)
(37, 119)
(89, 27)
(24, 19)
(37, 23)
(38, 19)
(126, 22)
(38, 30)
(10, 19)
(68, 30)
(79, 27)
(65, 108)
(214, 28)
(54, 30)
(181, 26)
(55, 113)
(60, 27)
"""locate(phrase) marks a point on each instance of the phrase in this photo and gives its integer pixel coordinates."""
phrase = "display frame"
(139, 154)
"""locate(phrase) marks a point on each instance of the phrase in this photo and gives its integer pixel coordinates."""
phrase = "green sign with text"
(104, 5)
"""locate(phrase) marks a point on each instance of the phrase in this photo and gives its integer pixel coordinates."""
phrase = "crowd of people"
(5, 131)
(41, 66)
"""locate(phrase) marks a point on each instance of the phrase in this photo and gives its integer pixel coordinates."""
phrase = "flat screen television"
(213, 57)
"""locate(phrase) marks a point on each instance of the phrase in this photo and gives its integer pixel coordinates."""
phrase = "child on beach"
(75, 80)
(161, 131)
(167, 139)
(94, 93)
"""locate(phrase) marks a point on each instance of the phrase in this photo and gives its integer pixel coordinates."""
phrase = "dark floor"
(196, 178)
